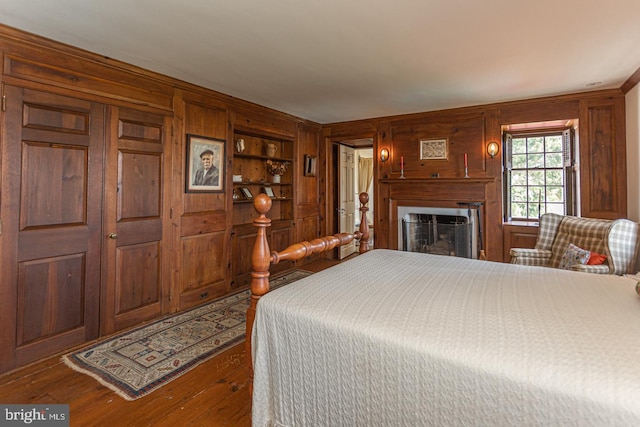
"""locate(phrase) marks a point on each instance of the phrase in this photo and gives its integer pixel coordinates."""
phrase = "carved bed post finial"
(364, 224)
(261, 260)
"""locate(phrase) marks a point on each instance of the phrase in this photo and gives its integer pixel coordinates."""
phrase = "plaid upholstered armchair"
(569, 242)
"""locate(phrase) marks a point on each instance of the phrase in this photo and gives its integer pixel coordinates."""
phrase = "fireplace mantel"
(438, 192)
(481, 180)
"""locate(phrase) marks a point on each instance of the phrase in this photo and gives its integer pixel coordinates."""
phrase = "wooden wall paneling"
(382, 171)
(52, 67)
(531, 111)
(267, 124)
(326, 184)
(207, 121)
(308, 228)
(307, 187)
(518, 236)
(203, 258)
(243, 238)
(52, 153)
(493, 216)
(603, 158)
(356, 129)
(464, 135)
(136, 224)
(281, 234)
(204, 268)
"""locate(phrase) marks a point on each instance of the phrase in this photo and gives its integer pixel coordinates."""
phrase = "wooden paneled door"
(347, 208)
(135, 286)
(52, 160)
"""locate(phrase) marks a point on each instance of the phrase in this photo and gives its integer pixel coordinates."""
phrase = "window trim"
(568, 167)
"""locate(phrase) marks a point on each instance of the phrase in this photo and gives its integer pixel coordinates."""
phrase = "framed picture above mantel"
(433, 149)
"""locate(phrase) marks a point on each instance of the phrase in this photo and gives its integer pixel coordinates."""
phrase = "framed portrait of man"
(205, 164)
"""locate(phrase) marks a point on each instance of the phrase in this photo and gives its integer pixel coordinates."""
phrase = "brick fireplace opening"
(439, 231)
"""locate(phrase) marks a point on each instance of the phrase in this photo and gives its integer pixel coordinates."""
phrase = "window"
(538, 174)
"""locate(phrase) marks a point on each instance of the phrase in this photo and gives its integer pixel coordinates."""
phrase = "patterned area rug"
(135, 363)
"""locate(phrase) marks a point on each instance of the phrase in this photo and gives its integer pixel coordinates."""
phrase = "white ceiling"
(338, 60)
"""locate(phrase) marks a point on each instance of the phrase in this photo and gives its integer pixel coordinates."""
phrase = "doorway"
(349, 185)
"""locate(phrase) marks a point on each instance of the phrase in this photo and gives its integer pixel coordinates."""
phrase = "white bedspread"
(395, 338)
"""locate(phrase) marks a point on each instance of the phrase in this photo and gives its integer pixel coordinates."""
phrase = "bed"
(405, 339)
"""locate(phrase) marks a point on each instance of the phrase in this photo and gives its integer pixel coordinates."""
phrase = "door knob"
(113, 235)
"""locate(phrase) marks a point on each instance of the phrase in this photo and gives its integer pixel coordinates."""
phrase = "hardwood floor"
(212, 394)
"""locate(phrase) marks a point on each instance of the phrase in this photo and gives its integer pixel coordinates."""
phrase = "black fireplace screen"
(438, 234)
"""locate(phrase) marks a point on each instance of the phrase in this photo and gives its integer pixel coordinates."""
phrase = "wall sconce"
(492, 149)
(384, 155)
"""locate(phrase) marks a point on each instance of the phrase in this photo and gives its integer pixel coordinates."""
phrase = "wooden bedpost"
(261, 260)
(364, 224)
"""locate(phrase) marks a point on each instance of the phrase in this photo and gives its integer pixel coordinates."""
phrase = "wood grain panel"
(463, 136)
(280, 238)
(452, 190)
(128, 129)
(204, 223)
(81, 75)
(244, 237)
(558, 108)
(55, 119)
(203, 260)
(268, 125)
(308, 209)
(518, 236)
(137, 276)
(58, 196)
(281, 235)
(602, 159)
(309, 228)
(50, 297)
(139, 189)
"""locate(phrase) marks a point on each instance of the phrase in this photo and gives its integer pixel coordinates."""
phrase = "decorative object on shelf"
(276, 169)
(310, 165)
(236, 195)
(492, 149)
(204, 171)
(246, 193)
(240, 145)
(237, 178)
(271, 149)
(401, 167)
(466, 166)
(269, 192)
(384, 155)
(433, 149)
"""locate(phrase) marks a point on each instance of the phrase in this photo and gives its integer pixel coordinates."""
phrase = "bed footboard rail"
(262, 257)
